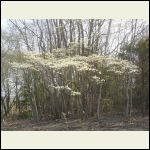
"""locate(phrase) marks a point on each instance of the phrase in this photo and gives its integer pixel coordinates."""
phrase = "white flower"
(118, 72)
(96, 78)
(103, 80)
(73, 93)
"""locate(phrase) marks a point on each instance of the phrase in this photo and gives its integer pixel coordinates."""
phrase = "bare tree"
(107, 36)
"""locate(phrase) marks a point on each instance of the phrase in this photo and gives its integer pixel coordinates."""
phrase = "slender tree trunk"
(49, 34)
(79, 39)
(70, 29)
(99, 102)
(131, 102)
(63, 38)
(108, 35)
(82, 35)
(17, 97)
(127, 98)
(91, 22)
(57, 33)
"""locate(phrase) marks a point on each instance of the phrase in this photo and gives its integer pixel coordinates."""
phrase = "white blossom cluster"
(64, 88)
(92, 63)
(98, 80)
(21, 65)
(73, 93)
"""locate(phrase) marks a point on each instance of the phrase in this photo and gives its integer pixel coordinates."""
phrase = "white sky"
(4, 23)
(112, 41)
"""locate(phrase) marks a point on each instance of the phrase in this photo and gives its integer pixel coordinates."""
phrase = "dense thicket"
(73, 73)
(52, 84)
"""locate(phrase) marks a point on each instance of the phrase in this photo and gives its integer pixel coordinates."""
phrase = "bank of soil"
(106, 123)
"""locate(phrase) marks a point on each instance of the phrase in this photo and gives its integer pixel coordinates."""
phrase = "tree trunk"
(107, 36)
(82, 35)
(127, 98)
(99, 103)
(49, 34)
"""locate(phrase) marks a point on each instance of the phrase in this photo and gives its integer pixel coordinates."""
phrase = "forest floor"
(106, 123)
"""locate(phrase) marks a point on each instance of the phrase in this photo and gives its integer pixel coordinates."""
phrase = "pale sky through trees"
(120, 31)
(4, 23)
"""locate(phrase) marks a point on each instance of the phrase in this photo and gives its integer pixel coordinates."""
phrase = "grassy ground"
(106, 123)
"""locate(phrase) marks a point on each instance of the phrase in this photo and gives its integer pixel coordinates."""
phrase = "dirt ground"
(106, 123)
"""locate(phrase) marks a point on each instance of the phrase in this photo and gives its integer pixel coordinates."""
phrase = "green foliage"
(25, 115)
(140, 58)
